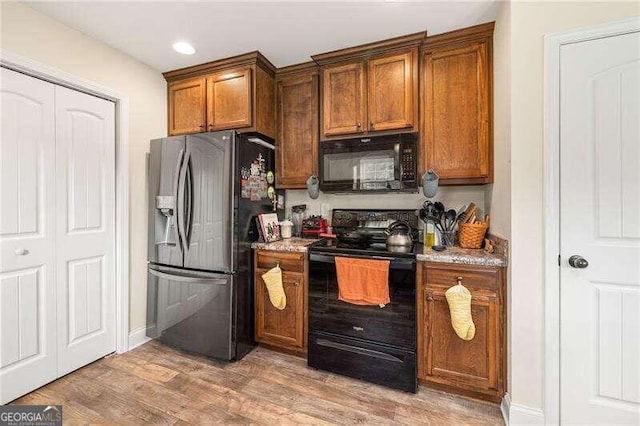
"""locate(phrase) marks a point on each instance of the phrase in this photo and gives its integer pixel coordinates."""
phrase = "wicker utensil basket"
(471, 235)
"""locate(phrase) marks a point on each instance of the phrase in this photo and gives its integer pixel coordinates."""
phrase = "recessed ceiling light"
(184, 48)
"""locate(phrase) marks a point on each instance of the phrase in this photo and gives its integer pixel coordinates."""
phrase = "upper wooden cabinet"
(343, 99)
(296, 124)
(370, 88)
(229, 100)
(187, 106)
(234, 93)
(476, 367)
(391, 91)
(456, 111)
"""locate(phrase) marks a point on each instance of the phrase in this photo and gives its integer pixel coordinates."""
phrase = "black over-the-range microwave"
(372, 164)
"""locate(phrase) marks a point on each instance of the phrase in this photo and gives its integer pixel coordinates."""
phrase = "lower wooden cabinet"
(475, 367)
(287, 328)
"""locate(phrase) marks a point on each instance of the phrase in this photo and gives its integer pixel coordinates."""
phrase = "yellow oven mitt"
(459, 300)
(273, 280)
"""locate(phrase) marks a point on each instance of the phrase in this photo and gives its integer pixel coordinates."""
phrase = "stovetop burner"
(361, 232)
(365, 248)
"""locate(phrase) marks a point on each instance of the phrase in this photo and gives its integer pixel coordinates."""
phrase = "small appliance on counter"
(298, 215)
(313, 226)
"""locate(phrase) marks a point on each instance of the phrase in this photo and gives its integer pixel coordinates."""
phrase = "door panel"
(209, 233)
(27, 236)
(456, 109)
(297, 122)
(165, 161)
(229, 100)
(85, 222)
(343, 99)
(600, 220)
(191, 310)
(391, 91)
(187, 104)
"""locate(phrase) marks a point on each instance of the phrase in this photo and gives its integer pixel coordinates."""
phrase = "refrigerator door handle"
(176, 185)
(189, 200)
(181, 201)
(188, 279)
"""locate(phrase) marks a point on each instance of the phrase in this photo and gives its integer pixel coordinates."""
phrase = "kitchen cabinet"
(343, 98)
(296, 125)
(370, 88)
(187, 106)
(283, 329)
(233, 93)
(475, 367)
(457, 105)
(229, 100)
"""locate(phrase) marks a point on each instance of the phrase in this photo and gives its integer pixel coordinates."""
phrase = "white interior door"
(85, 223)
(27, 278)
(600, 221)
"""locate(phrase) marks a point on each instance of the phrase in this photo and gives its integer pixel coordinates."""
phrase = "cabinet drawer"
(473, 277)
(289, 262)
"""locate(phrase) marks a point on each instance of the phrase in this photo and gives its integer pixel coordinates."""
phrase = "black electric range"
(372, 343)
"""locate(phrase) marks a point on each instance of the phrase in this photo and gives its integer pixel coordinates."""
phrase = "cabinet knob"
(371, 124)
(430, 297)
(201, 126)
(358, 125)
(459, 279)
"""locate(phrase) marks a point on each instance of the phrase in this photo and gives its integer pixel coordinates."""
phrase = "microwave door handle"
(397, 173)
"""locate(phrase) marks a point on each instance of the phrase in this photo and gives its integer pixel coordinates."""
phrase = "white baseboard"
(505, 406)
(138, 337)
(523, 415)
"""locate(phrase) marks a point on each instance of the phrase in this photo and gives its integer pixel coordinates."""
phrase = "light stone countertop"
(469, 256)
(455, 254)
(300, 245)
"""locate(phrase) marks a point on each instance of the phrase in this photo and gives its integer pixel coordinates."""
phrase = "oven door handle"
(357, 350)
(408, 264)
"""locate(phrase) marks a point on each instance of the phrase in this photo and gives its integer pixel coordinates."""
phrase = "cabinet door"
(343, 99)
(391, 92)
(284, 328)
(471, 364)
(457, 109)
(229, 100)
(297, 149)
(187, 106)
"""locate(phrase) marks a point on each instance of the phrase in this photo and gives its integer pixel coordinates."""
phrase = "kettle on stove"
(399, 234)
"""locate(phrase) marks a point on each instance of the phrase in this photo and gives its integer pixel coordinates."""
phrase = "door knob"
(579, 262)
(21, 252)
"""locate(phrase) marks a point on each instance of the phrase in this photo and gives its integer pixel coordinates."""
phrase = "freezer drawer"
(191, 310)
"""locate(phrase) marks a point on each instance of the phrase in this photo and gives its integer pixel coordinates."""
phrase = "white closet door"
(27, 279)
(85, 223)
(600, 221)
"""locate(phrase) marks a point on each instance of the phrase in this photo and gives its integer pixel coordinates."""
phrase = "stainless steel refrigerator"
(205, 191)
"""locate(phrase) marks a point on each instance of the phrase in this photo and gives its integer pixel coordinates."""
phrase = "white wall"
(33, 35)
(529, 22)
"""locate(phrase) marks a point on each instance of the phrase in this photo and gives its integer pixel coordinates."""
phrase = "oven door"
(369, 164)
(394, 324)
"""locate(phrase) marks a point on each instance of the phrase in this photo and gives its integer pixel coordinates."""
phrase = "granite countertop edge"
(300, 245)
(454, 255)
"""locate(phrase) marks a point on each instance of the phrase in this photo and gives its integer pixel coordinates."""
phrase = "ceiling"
(285, 32)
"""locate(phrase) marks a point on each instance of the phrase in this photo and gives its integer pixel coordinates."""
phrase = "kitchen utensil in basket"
(471, 235)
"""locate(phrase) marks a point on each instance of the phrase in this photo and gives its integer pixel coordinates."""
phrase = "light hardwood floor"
(157, 384)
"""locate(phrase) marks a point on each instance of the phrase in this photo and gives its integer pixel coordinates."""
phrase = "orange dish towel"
(363, 281)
